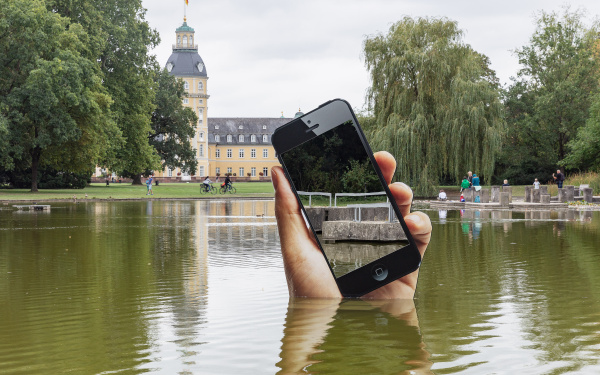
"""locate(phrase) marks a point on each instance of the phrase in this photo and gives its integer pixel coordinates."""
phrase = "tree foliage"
(173, 125)
(550, 98)
(585, 148)
(55, 108)
(435, 102)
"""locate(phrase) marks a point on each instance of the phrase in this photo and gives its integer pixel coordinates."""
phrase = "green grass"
(128, 191)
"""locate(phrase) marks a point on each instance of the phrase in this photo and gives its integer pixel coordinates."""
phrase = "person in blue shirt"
(475, 180)
(149, 186)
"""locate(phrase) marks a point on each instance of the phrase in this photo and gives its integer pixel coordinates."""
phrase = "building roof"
(224, 126)
(185, 63)
(185, 27)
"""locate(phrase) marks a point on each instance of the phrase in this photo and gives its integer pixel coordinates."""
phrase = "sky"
(267, 56)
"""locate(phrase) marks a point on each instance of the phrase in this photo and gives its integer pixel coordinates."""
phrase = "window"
(241, 172)
(202, 136)
(265, 138)
(265, 171)
(252, 138)
(217, 153)
(178, 40)
(201, 153)
(185, 41)
(201, 170)
(169, 172)
(216, 127)
(200, 111)
(229, 153)
(200, 101)
(253, 172)
(253, 153)
(229, 138)
(241, 127)
(186, 101)
(186, 85)
(200, 88)
(229, 170)
(241, 138)
(264, 127)
(218, 170)
(241, 152)
(200, 121)
(265, 152)
(217, 138)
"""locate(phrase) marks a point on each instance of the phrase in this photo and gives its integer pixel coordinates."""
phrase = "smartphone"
(325, 154)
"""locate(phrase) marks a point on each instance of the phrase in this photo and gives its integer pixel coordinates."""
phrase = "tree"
(435, 102)
(55, 108)
(119, 40)
(550, 99)
(173, 125)
(585, 148)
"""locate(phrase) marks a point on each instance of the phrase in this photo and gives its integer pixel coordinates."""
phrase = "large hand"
(306, 269)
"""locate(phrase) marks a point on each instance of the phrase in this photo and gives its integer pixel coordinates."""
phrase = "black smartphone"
(328, 161)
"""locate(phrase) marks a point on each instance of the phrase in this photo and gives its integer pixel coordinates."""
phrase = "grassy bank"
(128, 191)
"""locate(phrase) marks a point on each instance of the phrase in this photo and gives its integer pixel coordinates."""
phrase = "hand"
(307, 271)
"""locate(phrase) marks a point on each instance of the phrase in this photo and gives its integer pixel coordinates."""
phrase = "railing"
(358, 207)
(357, 195)
(310, 194)
(184, 46)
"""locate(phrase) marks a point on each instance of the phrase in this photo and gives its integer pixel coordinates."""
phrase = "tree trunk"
(137, 180)
(35, 162)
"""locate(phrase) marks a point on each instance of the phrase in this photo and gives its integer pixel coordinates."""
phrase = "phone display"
(325, 155)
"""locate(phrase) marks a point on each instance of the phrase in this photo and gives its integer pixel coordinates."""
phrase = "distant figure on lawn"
(505, 183)
(149, 186)
(536, 184)
(558, 178)
(442, 196)
(465, 184)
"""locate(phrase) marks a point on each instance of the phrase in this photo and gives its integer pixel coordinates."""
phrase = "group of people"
(207, 181)
(470, 181)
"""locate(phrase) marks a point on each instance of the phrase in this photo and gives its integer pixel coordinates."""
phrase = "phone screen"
(336, 163)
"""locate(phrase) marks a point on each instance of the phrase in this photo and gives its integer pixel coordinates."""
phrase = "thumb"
(290, 221)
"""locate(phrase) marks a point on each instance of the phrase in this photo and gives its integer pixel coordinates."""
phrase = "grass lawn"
(128, 191)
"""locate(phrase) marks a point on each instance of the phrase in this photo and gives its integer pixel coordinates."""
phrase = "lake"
(197, 287)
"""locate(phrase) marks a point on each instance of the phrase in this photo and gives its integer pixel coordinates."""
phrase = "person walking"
(558, 178)
(149, 186)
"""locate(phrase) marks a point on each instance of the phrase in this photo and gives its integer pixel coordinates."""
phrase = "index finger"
(401, 192)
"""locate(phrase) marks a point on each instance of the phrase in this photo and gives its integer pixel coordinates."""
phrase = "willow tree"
(435, 102)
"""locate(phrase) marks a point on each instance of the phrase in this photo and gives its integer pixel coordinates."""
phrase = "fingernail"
(401, 183)
(274, 177)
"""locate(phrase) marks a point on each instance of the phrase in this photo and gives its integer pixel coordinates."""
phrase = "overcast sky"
(268, 56)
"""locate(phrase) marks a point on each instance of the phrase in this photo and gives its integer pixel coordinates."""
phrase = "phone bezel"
(329, 115)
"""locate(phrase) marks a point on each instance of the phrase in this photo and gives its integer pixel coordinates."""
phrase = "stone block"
(485, 195)
(545, 198)
(562, 195)
(364, 231)
(504, 199)
(340, 214)
(588, 195)
(316, 216)
(495, 196)
(508, 189)
(528, 193)
(570, 193)
(337, 230)
(468, 194)
(391, 232)
(543, 189)
(535, 195)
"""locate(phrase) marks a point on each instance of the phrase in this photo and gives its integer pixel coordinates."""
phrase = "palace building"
(239, 146)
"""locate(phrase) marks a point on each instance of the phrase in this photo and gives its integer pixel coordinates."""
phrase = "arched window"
(202, 136)
(178, 40)
(265, 138)
(264, 127)
(252, 138)
(217, 138)
(200, 86)
(241, 138)
(185, 43)
(229, 138)
(186, 85)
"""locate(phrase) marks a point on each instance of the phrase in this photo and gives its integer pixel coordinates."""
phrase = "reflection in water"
(185, 287)
(379, 337)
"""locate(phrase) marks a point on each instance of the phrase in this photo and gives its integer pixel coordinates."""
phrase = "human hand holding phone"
(307, 271)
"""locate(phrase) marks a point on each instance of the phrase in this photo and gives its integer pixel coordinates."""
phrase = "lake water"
(197, 287)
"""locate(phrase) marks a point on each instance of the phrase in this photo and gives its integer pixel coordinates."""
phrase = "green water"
(187, 287)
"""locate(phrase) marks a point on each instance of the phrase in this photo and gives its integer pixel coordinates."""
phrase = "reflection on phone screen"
(336, 162)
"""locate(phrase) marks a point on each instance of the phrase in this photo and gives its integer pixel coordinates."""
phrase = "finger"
(290, 221)
(403, 196)
(387, 164)
(419, 226)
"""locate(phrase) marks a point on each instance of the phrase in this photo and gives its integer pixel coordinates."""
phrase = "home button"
(379, 272)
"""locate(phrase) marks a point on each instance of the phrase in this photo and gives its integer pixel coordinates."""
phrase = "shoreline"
(6, 202)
